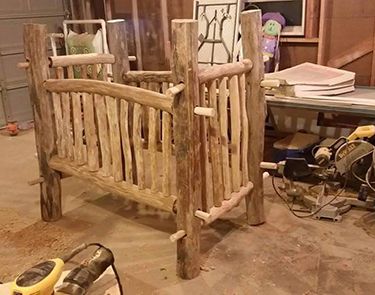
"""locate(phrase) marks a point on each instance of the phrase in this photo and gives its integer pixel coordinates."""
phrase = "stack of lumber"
(309, 80)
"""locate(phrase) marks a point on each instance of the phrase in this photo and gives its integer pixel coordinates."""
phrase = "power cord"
(310, 214)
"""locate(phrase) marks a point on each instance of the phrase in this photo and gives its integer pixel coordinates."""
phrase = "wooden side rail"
(226, 206)
(147, 76)
(122, 188)
(129, 93)
(226, 70)
(81, 59)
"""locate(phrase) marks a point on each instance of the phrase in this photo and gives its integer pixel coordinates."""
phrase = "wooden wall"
(347, 28)
(292, 54)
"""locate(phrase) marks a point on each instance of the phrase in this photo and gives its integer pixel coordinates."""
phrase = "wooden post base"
(50, 197)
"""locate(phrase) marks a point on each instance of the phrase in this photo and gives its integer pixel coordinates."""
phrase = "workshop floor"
(286, 255)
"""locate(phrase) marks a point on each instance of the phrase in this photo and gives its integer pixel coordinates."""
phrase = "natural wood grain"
(206, 112)
(164, 87)
(103, 133)
(156, 87)
(37, 72)
(67, 134)
(122, 188)
(226, 70)
(80, 152)
(56, 99)
(129, 93)
(137, 34)
(325, 6)
(223, 114)
(114, 135)
(244, 131)
(176, 89)
(66, 140)
(56, 102)
(138, 148)
(177, 236)
(94, 71)
(167, 152)
(118, 46)
(152, 147)
(235, 117)
(90, 132)
(147, 76)
(352, 54)
(312, 18)
(79, 149)
(227, 205)
(215, 148)
(125, 138)
(81, 59)
(255, 105)
(206, 201)
(186, 137)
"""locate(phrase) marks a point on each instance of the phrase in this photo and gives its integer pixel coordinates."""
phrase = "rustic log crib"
(186, 141)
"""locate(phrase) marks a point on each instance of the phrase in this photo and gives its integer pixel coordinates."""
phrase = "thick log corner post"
(118, 46)
(186, 136)
(35, 38)
(251, 26)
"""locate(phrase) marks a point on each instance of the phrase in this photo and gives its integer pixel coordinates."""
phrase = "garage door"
(15, 104)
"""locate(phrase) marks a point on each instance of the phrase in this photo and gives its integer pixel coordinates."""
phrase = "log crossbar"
(147, 76)
(129, 93)
(132, 192)
(81, 59)
(226, 70)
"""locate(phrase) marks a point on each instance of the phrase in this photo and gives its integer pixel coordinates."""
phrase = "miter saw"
(347, 158)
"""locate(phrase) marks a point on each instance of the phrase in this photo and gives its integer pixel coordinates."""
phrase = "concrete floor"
(286, 255)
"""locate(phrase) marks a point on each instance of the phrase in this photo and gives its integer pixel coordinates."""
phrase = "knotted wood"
(235, 116)
(80, 152)
(35, 37)
(125, 137)
(138, 146)
(244, 131)
(215, 148)
(104, 139)
(186, 137)
(223, 114)
(251, 24)
(131, 94)
(114, 135)
(167, 152)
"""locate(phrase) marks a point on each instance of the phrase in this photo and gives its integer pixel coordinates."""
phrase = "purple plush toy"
(273, 23)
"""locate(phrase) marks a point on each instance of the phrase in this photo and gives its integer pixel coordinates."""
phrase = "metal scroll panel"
(218, 25)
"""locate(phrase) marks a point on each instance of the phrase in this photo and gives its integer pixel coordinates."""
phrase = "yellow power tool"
(42, 278)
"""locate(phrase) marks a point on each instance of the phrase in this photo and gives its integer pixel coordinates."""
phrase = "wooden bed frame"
(187, 141)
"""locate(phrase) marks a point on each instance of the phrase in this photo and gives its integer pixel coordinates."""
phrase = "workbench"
(359, 106)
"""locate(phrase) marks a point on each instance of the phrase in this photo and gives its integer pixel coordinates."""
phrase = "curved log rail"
(226, 70)
(129, 93)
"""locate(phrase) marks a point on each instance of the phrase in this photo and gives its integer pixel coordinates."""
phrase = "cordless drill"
(41, 278)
